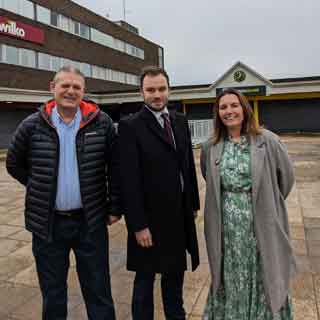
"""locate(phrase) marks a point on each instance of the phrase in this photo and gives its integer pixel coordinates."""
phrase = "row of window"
(160, 55)
(43, 61)
(44, 15)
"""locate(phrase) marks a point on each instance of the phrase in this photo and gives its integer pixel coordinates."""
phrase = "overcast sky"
(203, 38)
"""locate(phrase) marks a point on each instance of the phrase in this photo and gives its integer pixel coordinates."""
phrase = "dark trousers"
(171, 289)
(52, 262)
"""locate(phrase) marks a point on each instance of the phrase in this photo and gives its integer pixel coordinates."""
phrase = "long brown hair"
(249, 125)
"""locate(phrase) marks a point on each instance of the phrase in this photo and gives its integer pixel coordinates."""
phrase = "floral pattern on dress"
(241, 294)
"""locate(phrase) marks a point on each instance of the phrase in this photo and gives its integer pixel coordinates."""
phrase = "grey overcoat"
(272, 180)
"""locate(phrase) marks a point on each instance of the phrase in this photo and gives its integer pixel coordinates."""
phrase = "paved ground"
(19, 293)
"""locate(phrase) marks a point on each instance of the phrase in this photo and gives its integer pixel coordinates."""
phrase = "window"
(84, 31)
(118, 76)
(160, 53)
(43, 15)
(54, 19)
(75, 64)
(101, 38)
(134, 51)
(27, 58)
(66, 62)
(77, 28)
(31, 59)
(132, 79)
(1, 50)
(98, 72)
(128, 48)
(119, 45)
(44, 61)
(72, 26)
(109, 74)
(26, 9)
(55, 63)
(23, 7)
(64, 23)
(141, 54)
(11, 5)
(12, 55)
(85, 68)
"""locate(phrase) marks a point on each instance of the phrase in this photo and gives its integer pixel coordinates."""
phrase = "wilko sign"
(21, 30)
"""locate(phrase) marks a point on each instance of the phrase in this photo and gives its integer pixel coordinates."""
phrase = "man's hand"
(113, 219)
(144, 238)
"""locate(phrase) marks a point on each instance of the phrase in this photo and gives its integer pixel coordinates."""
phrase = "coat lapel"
(177, 130)
(257, 164)
(215, 162)
(154, 125)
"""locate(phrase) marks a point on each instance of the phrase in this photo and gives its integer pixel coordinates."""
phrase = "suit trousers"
(52, 263)
(171, 290)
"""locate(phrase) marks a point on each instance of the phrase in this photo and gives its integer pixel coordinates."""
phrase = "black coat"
(33, 160)
(152, 195)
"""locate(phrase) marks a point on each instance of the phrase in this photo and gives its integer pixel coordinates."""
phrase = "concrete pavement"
(19, 292)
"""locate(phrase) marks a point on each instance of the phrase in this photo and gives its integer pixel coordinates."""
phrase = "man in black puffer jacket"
(65, 156)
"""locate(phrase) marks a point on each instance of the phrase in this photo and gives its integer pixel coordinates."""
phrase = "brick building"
(38, 37)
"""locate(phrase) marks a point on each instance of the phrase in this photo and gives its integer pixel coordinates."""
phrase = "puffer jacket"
(33, 157)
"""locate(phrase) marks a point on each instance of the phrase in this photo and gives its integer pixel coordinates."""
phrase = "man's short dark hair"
(153, 71)
(69, 69)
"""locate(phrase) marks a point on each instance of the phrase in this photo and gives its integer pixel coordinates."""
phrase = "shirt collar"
(57, 119)
(158, 114)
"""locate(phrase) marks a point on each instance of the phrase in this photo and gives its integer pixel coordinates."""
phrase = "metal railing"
(200, 130)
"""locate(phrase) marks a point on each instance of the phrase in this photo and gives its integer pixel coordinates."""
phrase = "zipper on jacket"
(54, 193)
(81, 145)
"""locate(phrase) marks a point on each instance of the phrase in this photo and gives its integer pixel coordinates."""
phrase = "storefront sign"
(21, 30)
(247, 91)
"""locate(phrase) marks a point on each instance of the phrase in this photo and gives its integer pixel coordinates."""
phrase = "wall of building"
(65, 45)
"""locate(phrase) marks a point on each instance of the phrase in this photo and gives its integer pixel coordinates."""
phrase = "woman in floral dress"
(248, 175)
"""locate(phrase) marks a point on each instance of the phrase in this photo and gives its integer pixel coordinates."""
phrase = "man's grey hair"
(69, 69)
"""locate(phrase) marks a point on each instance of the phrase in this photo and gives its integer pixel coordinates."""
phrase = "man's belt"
(70, 213)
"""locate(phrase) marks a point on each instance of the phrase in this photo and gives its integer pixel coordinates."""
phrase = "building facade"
(38, 37)
(287, 105)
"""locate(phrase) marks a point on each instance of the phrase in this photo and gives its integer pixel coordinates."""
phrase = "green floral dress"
(241, 293)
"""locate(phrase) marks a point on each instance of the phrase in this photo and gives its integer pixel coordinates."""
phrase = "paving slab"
(18, 275)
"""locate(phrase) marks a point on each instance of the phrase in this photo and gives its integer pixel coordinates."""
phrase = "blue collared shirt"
(68, 187)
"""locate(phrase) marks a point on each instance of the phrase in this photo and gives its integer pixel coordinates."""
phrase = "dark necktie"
(167, 128)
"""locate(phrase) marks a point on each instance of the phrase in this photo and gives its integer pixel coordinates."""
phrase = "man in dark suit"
(160, 194)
